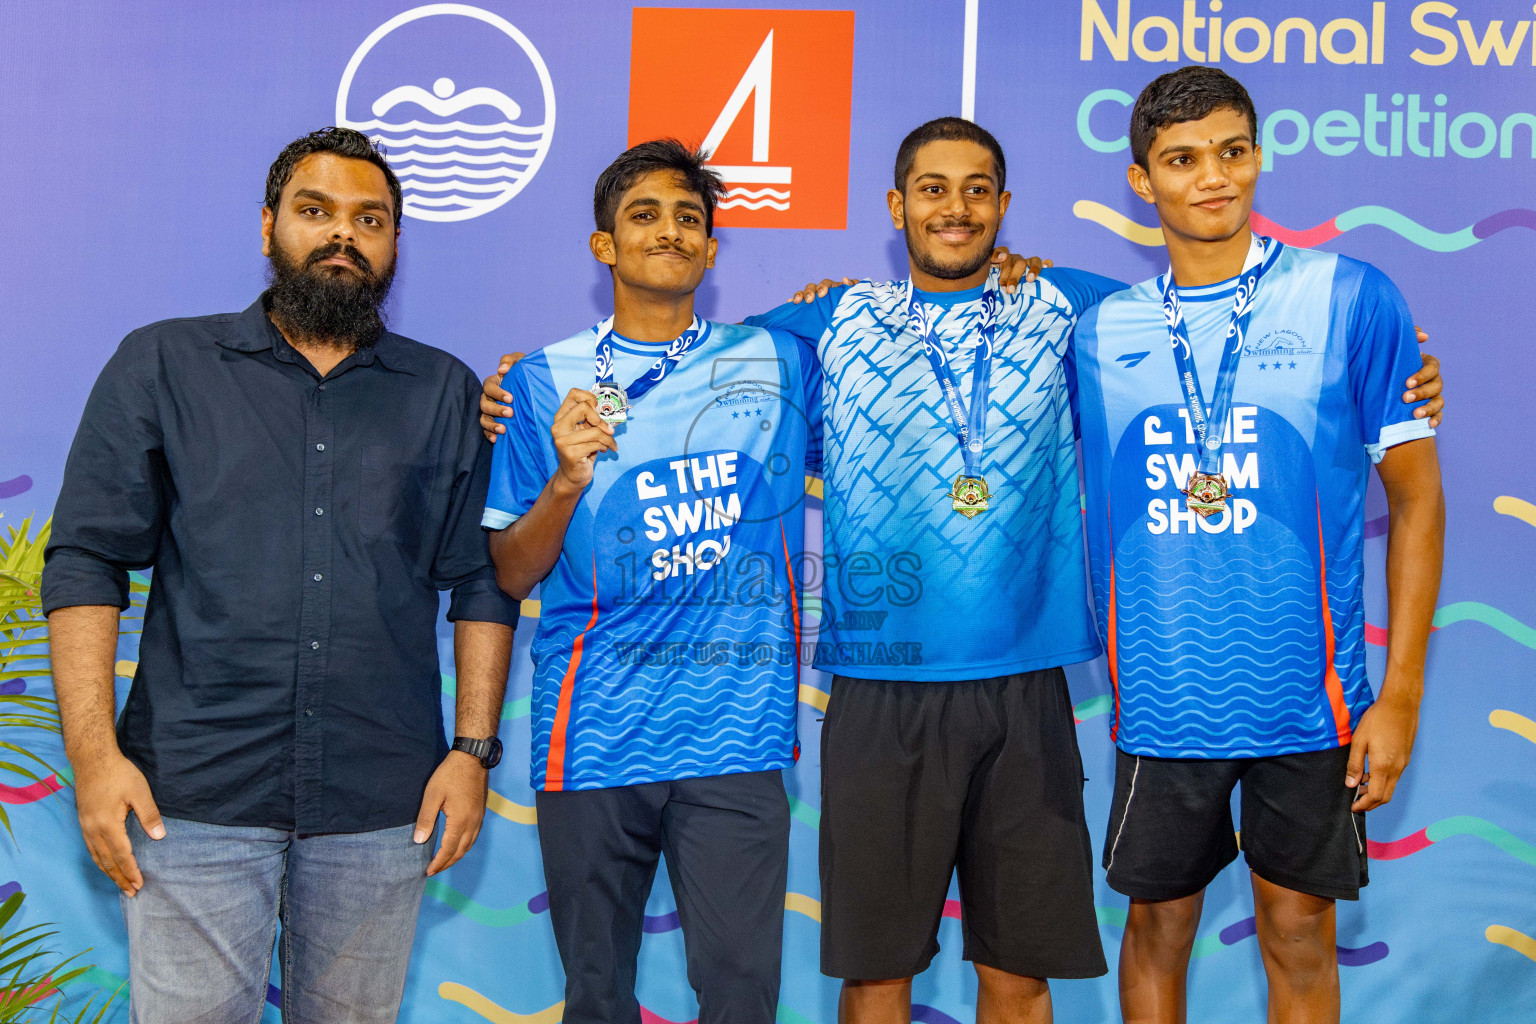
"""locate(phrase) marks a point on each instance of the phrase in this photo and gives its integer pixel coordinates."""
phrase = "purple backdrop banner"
(1401, 133)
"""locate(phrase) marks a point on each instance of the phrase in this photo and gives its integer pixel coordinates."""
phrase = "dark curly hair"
(341, 141)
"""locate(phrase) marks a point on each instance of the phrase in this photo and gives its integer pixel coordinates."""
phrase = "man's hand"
(104, 794)
(491, 397)
(580, 437)
(816, 290)
(1426, 384)
(457, 789)
(1384, 737)
(1017, 268)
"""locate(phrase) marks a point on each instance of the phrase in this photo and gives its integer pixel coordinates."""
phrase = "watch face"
(493, 756)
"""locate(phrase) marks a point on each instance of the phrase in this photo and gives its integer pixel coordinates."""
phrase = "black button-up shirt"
(300, 529)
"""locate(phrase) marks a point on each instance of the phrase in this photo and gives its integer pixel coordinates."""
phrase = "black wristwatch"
(487, 752)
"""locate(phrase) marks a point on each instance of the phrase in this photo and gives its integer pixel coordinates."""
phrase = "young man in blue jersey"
(952, 520)
(651, 483)
(1230, 413)
(949, 737)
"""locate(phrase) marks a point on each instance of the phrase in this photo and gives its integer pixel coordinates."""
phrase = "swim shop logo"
(461, 103)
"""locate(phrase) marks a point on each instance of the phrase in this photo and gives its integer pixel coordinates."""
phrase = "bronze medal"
(1206, 494)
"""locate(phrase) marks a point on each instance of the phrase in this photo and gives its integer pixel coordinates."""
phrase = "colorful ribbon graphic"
(1462, 825)
(1517, 724)
(466, 996)
(1524, 511)
(1518, 941)
(481, 914)
(30, 793)
(1093, 707)
(1359, 217)
(510, 809)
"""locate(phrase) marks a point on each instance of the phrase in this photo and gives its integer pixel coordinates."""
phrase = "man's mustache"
(969, 224)
(330, 249)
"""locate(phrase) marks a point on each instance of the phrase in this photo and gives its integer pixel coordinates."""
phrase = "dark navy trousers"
(726, 840)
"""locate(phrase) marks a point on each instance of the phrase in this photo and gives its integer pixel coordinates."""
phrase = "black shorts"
(1170, 827)
(921, 779)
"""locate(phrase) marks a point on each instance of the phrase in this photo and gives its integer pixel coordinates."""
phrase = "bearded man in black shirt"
(303, 483)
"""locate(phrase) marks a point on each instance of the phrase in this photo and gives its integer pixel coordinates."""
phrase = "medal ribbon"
(659, 370)
(1208, 440)
(970, 424)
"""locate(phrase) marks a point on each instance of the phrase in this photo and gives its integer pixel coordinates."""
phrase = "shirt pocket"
(394, 496)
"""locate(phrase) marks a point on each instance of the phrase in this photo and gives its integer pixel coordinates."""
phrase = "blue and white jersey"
(1242, 635)
(666, 646)
(912, 589)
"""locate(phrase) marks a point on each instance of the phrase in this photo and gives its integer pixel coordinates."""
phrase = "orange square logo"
(768, 95)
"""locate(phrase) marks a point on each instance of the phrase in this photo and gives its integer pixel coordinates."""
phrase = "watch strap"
(480, 750)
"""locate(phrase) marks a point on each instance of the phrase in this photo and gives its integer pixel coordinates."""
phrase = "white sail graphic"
(756, 82)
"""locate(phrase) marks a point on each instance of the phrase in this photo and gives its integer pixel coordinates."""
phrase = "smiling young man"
(651, 485)
(952, 519)
(1230, 413)
(303, 483)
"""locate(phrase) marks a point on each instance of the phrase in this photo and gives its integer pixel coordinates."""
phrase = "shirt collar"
(951, 298)
(255, 332)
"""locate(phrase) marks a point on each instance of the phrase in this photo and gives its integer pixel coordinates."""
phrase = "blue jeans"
(201, 931)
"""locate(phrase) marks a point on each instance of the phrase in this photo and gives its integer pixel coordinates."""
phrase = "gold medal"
(969, 496)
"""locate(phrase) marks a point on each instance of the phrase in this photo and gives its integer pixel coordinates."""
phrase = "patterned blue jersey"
(911, 588)
(666, 646)
(1242, 635)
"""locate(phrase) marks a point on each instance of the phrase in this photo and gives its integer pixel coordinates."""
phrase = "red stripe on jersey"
(554, 769)
(1112, 653)
(1331, 682)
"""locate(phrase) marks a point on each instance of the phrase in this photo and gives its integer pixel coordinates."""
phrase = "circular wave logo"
(461, 103)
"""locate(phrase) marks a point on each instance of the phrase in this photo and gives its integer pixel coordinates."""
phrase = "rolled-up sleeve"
(463, 562)
(110, 513)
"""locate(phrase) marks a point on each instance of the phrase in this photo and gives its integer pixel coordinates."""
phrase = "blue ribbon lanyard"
(1208, 440)
(659, 370)
(970, 424)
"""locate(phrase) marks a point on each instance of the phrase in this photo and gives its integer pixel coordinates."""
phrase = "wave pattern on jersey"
(891, 457)
(1345, 577)
(1242, 638)
(886, 472)
(664, 719)
(690, 727)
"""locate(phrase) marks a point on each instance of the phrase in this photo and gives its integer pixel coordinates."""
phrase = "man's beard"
(923, 260)
(326, 306)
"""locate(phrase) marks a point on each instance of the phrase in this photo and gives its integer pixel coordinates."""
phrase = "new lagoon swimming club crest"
(460, 101)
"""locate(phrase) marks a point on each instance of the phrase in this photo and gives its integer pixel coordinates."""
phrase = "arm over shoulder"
(523, 462)
(1082, 289)
(1383, 351)
(805, 320)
